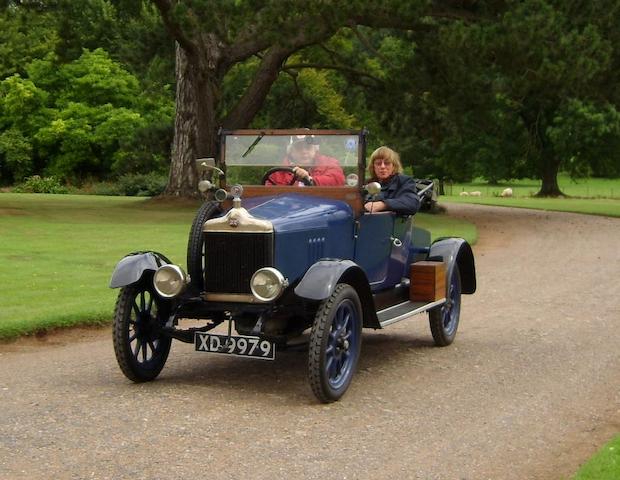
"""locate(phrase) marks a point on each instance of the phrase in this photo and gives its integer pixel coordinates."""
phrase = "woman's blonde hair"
(385, 153)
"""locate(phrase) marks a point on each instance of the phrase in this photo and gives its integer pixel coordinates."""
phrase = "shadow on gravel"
(286, 376)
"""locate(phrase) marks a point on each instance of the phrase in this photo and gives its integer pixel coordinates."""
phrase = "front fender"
(456, 252)
(131, 268)
(321, 279)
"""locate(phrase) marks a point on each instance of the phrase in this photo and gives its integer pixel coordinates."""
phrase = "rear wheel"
(444, 320)
(196, 253)
(335, 342)
(141, 350)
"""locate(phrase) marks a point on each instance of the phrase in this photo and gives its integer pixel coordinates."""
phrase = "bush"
(142, 185)
(37, 184)
(103, 188)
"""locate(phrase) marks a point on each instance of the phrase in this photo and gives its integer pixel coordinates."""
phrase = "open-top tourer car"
(275, 257)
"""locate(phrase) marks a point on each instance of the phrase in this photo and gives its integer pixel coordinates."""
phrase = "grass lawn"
(593, 196)
(58, 251)
(605, 465)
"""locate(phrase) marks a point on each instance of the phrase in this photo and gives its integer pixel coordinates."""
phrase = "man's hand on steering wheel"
(296, 174)
(303, 175)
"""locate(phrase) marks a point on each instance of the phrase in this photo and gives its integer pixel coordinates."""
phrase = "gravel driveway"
(529, 390)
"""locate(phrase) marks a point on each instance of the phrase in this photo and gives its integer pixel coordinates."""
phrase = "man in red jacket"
(309, 166)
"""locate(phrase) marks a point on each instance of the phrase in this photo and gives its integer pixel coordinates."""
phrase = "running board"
(404, 310)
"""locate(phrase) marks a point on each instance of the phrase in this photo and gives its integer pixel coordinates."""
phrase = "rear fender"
(456, 252)
(321, 279)
(132, 267)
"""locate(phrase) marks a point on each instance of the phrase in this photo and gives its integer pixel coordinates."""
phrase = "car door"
(382, 248)
(373, 246)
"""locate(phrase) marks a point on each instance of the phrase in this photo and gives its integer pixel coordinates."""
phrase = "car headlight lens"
(170, 281)
(267, 284)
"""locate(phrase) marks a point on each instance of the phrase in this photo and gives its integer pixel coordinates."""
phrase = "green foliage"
(329, 102)
(588, 136)
(523, 90)
(95, 79)
(37, 184)
(76, 112)
(102, 188)
(86, 24)
(21, 98)
(93, 124)
(15, 154)
(141, 185)
(24, 37)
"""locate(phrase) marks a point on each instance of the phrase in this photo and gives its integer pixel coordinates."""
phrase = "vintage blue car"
(273, 259)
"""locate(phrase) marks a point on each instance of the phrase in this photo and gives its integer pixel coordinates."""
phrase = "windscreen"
(330, 159)
(278, 150)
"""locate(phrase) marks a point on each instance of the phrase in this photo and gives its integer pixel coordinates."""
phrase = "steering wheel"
(271, 171)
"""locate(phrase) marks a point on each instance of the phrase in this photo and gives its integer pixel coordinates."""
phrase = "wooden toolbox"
(428, 281)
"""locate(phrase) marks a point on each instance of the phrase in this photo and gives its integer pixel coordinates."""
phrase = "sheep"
(475, 194)
(506, 193)
(464, 194)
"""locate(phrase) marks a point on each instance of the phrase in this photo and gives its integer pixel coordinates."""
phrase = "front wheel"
(444, 320)
(141, 350)
(335, 342)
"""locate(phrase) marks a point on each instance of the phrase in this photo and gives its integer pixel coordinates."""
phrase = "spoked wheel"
(335, 342)
(196, 253)
(444, 320)
(141, 350)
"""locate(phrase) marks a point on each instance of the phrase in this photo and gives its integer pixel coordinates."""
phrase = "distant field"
(592, 196)
(58, 252)
(583, 188)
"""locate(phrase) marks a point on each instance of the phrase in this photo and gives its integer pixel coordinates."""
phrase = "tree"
(529, 88)
(214, 36)
(84, 118)
(84, 113)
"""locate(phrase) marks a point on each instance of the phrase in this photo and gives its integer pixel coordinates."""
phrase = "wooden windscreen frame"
(353, 196)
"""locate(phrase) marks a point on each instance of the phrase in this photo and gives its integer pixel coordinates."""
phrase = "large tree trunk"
(195, 126)
(549, 169)
(549, 166)
(197, 99)
(183, 177)
(549, 177)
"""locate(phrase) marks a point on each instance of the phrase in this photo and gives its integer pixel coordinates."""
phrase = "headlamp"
(267, 284)
(169, 281)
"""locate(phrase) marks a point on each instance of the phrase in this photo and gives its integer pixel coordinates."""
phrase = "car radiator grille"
(232, 259)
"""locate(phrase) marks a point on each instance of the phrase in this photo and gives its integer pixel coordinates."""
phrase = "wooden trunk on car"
(428, 281)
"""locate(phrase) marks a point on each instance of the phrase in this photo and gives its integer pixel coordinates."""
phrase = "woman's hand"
(375, 206)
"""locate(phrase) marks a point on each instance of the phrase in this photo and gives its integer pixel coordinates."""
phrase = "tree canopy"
(502, 89)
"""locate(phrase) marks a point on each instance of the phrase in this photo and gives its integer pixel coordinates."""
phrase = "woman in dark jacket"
(398, 191)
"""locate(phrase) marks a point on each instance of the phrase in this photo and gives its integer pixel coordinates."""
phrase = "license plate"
(241, 346)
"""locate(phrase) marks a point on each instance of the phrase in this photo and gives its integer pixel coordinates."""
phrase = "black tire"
(196, 244)
(444, 320)
(335, 344)
(141, 350)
